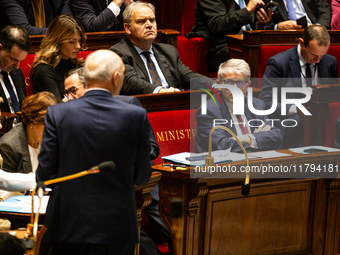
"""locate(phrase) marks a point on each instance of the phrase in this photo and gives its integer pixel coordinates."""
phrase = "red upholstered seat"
(26, 69)
(192, 51)
(173, 131)
(266, 52)
(332, 116)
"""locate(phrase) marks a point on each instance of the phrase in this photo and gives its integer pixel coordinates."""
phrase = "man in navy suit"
(290, 69)
(14, 46)
(259, 135)
(100, 15)
(95, 214)
(75, 87)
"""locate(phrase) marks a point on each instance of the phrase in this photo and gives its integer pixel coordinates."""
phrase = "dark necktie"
(308, 75)
(15, 103)
(291, 10)
(243, 128)
(152, 69)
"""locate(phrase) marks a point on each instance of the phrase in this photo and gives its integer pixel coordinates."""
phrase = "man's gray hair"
(128, 10)
(234, 65)
(103, 71)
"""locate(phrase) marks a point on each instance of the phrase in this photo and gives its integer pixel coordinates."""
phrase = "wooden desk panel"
(280, 216)
(104, 40)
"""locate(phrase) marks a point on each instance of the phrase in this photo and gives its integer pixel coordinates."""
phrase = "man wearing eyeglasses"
(254, 131)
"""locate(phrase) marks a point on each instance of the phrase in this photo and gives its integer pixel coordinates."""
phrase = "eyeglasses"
(73, 91)
(238, 83)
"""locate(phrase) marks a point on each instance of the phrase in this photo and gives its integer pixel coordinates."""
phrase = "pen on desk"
(173, 165)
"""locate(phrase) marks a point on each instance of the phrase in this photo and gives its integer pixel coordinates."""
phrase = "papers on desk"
(302, 149)
(220, 156)
(198, 159)
(268, 154)
(23, 204)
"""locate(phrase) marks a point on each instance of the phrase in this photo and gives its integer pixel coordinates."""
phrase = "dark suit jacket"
(14, 150)
(154, 145)
(137, 79)
(318, 11)
(267, 140)
(82, 133)
(283, 70)
(19, 83)
(216, 18)
(20, 12)
(96, 17)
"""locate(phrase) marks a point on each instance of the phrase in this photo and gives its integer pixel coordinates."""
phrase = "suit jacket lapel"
(26, 160)
(282, 9)
(138, 59)
(309, 11)
(322, 69)
(225, 113)
(295, 68)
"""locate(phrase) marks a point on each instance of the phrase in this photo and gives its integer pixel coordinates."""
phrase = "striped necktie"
(152, 69)
(15, 103)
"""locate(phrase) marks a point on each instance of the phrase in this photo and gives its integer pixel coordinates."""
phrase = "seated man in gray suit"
(151, 67)
(14, 46)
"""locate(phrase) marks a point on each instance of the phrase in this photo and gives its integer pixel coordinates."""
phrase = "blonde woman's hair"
(61, 30)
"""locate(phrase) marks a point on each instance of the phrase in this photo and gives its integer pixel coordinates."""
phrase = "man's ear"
(127, 28)
(301, 42)
(1, 48)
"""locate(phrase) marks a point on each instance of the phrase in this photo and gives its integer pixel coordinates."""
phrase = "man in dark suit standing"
(14, 47)
(95, 214)
(100, 15)
(302, 66)
(151, 67)
(254, 131)
(288, 11)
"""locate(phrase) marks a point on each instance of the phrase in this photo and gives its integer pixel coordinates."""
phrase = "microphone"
(177, 223)
(107, 166)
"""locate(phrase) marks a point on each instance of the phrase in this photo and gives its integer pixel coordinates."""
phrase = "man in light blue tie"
(216, 18)
(285, 16)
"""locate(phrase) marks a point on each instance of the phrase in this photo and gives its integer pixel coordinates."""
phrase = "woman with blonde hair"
(58, 54)
(20, 147)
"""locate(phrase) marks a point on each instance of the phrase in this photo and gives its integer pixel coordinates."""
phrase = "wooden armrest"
(7, 122)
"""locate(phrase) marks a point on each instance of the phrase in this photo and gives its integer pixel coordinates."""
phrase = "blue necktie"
(241, 4)
(15, 103)
(152, 69)
(291, 10)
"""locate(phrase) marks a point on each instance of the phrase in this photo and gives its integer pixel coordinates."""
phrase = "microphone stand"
(209, 161)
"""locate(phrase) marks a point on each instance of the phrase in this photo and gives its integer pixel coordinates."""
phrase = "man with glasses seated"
(75, 86)
(256, 132)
